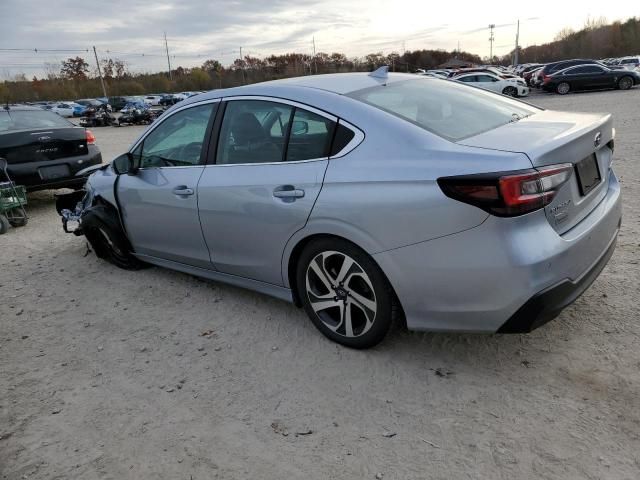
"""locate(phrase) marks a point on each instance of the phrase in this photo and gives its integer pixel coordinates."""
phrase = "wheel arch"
(294, 250)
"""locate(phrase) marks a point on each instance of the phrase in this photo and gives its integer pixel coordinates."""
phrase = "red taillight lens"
(508, 194)
(545, 78)
(91, 138)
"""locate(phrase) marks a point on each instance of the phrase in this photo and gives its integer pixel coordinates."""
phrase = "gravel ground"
(154, 374)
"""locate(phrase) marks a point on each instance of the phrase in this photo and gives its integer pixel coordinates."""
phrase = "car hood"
(548, 137)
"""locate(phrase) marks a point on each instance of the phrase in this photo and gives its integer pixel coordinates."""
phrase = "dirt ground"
(111, 374)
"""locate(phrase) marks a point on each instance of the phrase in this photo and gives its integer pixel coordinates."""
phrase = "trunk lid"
(550, 138)
(24, 146)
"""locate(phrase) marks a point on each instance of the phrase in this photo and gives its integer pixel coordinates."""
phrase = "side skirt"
(276, 291)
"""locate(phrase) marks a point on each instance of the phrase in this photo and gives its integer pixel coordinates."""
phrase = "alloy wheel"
(625, 83)
(563, 88)
(341, 294)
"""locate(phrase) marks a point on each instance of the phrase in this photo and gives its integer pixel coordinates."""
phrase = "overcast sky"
(201, 29)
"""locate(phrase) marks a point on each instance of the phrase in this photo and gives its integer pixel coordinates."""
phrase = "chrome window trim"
(284, 101)
(357, 139)
(292, 162)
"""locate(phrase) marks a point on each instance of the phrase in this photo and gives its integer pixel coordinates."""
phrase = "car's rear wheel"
(563, 88)
(344, 292)
(625, 83)
(510, 91)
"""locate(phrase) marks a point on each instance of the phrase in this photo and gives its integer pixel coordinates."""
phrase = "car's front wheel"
(345, 293)
(510, 91)
(563, 88)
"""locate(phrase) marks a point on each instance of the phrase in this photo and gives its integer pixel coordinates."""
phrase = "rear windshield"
(30, 120)
(451, 110)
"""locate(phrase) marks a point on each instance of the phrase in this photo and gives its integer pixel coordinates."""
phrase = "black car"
(589, 77)
(551, 68)
(168, 100)
(43, 150)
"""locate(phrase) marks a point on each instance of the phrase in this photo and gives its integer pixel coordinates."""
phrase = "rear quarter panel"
(384, 194)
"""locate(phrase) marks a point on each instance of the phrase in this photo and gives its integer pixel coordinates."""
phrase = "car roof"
(578, 66)
(340, 83)
(20, 107)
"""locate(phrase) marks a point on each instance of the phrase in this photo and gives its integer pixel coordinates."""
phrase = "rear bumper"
(507, 268)
(547, 305)
(28, 173)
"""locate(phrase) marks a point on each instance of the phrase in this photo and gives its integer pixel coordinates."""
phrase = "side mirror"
(125, 164)
(299, 127)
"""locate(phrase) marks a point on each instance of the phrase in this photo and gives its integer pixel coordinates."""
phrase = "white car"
(153, 99)
(63, 109)
(488, 81)
(629, 63)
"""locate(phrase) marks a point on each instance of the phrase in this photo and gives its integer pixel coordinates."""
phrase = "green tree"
(74, 69)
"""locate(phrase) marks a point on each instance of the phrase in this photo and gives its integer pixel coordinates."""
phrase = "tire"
(510, 91)
(625, 83)
(356, 313)
(4, 224)
(563, 88)
(111, 245)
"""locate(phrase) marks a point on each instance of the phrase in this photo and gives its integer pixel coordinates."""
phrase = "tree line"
(74, 78)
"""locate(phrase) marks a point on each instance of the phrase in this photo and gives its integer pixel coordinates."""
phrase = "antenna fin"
(382, 72)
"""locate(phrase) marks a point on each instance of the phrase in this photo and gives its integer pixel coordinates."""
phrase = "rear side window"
(341, 138)
(448, 109)
(310, 136)
(257, 131)
(31, 120)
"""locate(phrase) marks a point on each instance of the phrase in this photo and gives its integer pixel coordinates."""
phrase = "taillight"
(91, 138)
(546, 78)
(508, 194)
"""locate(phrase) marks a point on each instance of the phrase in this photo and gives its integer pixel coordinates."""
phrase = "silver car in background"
(367, 198)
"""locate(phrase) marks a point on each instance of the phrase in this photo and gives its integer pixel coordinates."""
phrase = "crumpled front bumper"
(71, 207)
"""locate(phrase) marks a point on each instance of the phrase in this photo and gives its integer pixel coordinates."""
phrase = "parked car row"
(78, 108)
(494, 78)
(580, 74)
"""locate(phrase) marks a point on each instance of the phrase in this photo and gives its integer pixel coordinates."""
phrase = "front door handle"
(288, 192)
(183, 191)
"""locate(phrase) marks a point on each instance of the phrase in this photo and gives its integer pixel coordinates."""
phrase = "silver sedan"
(367, 199)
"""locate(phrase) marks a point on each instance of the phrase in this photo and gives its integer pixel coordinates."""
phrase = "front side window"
(178, 140)
(448, 109)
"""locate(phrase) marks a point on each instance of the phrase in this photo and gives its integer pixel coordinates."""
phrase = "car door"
(271, 156)
(159, 204)
(489, 82)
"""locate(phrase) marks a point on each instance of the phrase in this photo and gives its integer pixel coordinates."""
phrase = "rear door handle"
(183, 190)
(288, 191)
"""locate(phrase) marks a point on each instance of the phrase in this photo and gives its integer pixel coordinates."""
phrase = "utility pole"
(104, 90)
(515, 56)
(166, 46)
(244, 80)
(491, 38)
(315, 64)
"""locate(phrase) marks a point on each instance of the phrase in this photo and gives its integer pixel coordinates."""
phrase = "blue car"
(78, 110)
